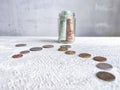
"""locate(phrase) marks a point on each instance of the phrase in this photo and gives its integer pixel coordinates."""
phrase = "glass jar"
(67, 24)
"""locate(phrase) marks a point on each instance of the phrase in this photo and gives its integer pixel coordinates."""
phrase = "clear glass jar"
(67, 23)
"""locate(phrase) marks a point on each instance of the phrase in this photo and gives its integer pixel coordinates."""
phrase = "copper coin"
(99, 59)
(65, 46)
(20, 45)
(85, 55)
(105, 76)
(104, 66)
(70, 52)
(25, 52)
(48, 46)
(63, 49)
(36, 49)
(17, 56)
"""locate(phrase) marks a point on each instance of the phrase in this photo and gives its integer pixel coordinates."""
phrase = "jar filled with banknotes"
(66, 27)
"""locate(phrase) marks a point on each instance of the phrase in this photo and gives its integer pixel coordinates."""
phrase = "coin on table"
(48, 46)
(70, 52)
(85, 55)
(36, 49)
(65, 46)
(99, 59)
(25, 52)
(63, 49)
(17, 56)
(104, 66)
(105, 76)
(20, 45)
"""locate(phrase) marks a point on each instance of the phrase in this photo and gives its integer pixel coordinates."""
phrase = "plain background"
(40, 17)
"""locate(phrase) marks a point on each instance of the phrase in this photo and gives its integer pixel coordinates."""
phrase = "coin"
(63, 49)
(65, 46)
(70, 52)
(17, 56)
(85, 55)
(20, 45)
(99, 59)
(105, 76)
(36, 49)
(104, 66)
(25, 52)
(48, 46)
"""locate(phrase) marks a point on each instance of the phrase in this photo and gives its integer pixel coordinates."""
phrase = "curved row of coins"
(28, 51)
(103, 75)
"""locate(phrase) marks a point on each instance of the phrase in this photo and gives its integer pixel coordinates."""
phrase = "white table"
(50, 69)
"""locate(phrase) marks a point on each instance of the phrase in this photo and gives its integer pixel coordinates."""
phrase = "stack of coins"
(64, 47)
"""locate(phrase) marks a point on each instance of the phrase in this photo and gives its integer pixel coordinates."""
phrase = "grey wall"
(39, 17)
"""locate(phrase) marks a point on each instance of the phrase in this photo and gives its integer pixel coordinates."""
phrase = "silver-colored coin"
(104, 66)
(25, 52)
(36, 49)
(20, 45)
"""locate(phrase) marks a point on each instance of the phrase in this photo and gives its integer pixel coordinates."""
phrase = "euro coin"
(70, 52)
(104, 66)
(17, 56)
(99, 59)
(105, 76)
(20, 45)
(25, 52)
(85, 55)
(48, 46)
(36, 49)
(63, 49)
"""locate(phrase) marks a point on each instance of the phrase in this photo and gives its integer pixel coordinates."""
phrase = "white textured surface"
(52, 70)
